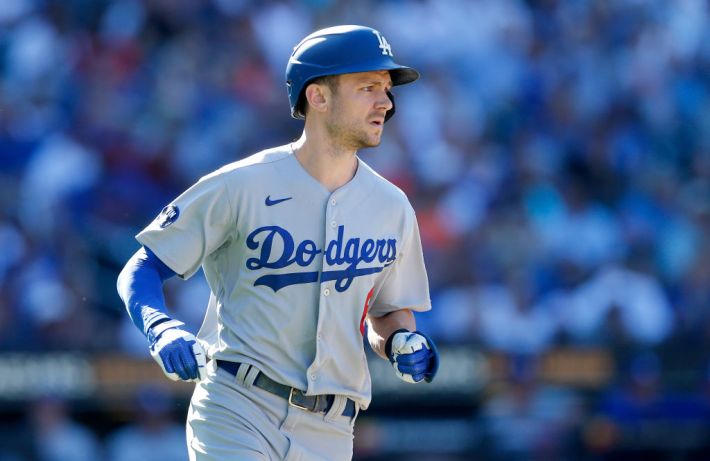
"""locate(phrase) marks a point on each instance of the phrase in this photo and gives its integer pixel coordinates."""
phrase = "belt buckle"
(294, 404)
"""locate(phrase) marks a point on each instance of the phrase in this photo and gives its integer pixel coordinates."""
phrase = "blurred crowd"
(557, 154)
(51, 431)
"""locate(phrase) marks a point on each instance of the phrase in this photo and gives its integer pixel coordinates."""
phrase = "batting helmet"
(341, 50)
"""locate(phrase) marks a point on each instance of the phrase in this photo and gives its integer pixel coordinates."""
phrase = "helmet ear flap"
(390, 112)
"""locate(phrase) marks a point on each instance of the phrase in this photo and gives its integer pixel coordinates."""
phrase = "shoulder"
(253, 164)
(385, 191)
(255, 161)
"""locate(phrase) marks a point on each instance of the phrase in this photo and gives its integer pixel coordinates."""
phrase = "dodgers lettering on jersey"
(294, 269)
(337, 252)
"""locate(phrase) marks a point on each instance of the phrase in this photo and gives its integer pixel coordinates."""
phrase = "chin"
(370, 143)
(366, 138)
(373, 140)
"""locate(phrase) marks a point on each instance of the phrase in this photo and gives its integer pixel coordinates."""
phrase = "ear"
(318, 97)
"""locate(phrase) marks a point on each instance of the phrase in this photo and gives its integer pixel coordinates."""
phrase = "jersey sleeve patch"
(168, 216)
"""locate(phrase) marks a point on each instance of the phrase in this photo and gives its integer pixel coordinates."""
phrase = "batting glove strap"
(179, 355)
(388, 343)
(159, 327)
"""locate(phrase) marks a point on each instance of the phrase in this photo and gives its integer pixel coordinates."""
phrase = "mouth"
(377, 122)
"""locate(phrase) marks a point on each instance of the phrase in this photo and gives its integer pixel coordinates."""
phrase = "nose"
(384, 101)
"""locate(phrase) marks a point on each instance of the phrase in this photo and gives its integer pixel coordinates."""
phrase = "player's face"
(358, 109)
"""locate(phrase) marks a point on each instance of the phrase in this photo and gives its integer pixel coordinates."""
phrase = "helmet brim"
(403, 75)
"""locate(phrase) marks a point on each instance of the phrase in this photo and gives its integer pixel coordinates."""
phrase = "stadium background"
(557, 154)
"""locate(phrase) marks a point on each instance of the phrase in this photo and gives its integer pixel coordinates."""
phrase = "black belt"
(295, 397)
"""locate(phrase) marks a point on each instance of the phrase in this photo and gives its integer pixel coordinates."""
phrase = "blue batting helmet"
(341, 50)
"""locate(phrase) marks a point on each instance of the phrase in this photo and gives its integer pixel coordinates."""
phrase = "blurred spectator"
(59, 171)
(13, 243)
(57, 437)
(154, 434)
(510, 319)
(642, 418)
(618, 306)
(527, 420)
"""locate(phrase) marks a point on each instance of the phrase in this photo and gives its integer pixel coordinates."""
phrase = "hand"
(414, 356)
(177, 352)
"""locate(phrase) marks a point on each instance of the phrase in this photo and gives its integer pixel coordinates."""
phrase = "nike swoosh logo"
(270, 202)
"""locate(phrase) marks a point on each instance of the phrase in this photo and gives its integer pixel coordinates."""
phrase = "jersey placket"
(327, 290)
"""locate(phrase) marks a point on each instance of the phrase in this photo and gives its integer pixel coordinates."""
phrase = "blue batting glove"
(177, 351)
(413, 355)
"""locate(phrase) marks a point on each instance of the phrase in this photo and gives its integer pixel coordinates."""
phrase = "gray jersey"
(293, 268)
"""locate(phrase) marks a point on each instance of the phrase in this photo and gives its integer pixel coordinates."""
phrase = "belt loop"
(242, 372)
(251, 377)
(337, 408)
(357, 412)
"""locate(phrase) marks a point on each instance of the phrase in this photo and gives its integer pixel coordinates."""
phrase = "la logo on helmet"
(384, 45)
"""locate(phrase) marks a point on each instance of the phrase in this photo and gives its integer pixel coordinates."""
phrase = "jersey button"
(333, 224)
(326, 292)
(333, 202)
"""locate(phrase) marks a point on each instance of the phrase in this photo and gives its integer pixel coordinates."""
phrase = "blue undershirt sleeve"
(140, 286)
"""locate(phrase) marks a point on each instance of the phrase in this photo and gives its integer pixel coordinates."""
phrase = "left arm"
(392, 329)
(379, 329)
(412, 353)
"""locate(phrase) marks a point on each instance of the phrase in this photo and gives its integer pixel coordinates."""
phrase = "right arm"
(191, 227)
(140, 286)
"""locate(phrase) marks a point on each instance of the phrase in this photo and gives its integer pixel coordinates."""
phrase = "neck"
(330, 164)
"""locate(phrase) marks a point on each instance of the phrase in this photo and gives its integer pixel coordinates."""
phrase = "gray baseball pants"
(230, 419)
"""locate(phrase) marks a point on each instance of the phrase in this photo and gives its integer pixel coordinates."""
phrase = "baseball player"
(305, 248)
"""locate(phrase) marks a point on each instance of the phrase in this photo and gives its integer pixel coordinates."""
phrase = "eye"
(368, 88)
